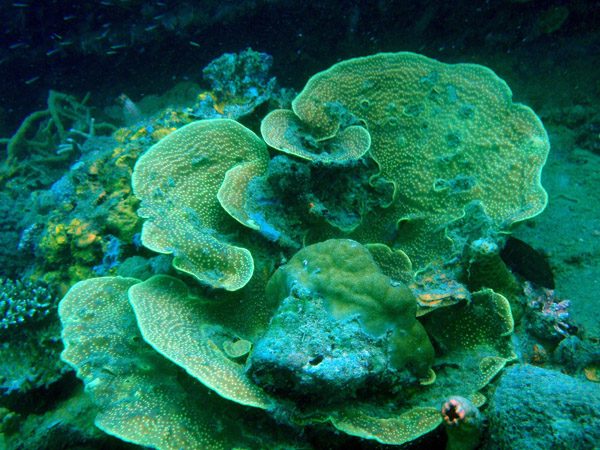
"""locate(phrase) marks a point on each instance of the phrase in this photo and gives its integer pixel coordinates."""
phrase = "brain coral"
(444, 135)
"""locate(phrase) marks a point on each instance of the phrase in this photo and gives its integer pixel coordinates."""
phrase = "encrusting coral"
(343, 273)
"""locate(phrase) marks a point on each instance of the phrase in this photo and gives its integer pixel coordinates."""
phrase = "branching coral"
(29, 336)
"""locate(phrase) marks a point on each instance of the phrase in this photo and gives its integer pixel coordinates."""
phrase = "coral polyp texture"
(189, 340)
(284, 131)
(137, 391)
(139, 401)
(444, 135)
(360, 324)
(183, 180)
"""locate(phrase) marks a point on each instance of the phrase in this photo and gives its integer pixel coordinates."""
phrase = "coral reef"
(137, 383)
(377, 336)
(187, 208)
(197, 334)
(539, 409)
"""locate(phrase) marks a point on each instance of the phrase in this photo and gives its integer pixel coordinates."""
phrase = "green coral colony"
(336, 336)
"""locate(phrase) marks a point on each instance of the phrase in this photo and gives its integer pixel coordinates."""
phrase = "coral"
(436, 286)
(394, 263)
(284, 131)
(538, 409)
(576, 355)
(474, 334)
(239, 74)
(464, 423)
(112, 248)
(443, 135)
(139, 386)
(548, 316)
(240, 82)
(184, 182)
(23, 303)
(69, 424)
(296, 197)
(310, 357)
(397, 430)
(136, 267)
(344, 274)
(76, 241)
(45, 138)
(330, 340)
(137, 390)
(30, 357)
(199, 334)
(487, 269)
(29, 336)
(164, 300)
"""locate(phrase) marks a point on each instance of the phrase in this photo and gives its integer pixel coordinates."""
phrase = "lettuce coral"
(338, 316)
(443, 135)
(182, 183)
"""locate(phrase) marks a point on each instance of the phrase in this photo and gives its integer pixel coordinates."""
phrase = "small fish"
(106, 25)
(57, 36)
(102, 35)
(116, 46)
(20, 5)
(65, 43)
(111, 52)
(17, 45)
(52, 52)
(195, 44)
(32, 80)
(69, 17)
(151, 27)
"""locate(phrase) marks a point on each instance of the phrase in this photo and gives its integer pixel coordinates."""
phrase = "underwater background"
(300, 225)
